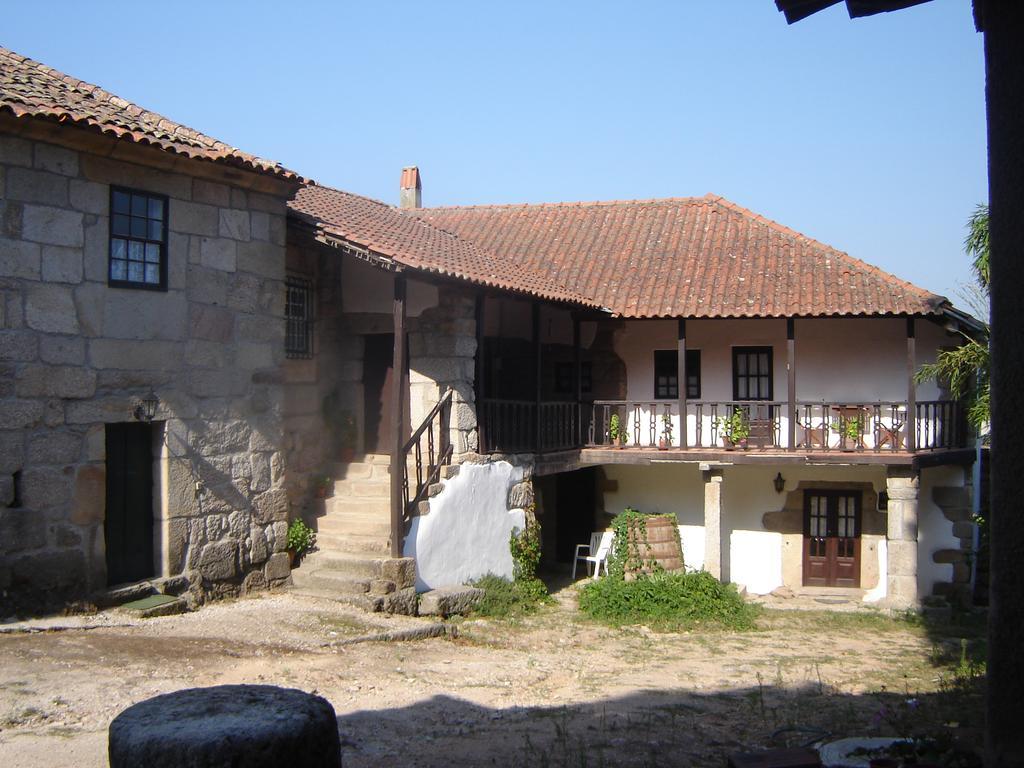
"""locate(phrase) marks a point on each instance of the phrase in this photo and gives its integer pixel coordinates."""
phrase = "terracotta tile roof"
(31, 89)
(685, 257)
(391, 233)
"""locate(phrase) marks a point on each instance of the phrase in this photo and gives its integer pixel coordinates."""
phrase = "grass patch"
(668, 601)
(505, 599)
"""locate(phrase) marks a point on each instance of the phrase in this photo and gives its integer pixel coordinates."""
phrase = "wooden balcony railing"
(510, 426)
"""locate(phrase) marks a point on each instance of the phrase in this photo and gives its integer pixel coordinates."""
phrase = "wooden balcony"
(857, 432)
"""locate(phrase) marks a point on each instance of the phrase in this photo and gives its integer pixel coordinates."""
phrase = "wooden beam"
(538, 374)
(398, 379)
(911, 387)
(577, 378)
(791, 378)
(479, 372)
(681, 379)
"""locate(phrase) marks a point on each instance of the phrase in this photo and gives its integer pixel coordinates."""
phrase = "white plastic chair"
(597, 553)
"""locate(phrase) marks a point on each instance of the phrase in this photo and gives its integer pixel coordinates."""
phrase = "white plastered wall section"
(751, 555)
(934, 531)
(466, 534)
(837, 360)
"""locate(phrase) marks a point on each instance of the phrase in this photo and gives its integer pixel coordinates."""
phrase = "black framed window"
(693, 374)
(666, 374)
(751, 373)
(138, 240)
(563, 378)
(298, 314)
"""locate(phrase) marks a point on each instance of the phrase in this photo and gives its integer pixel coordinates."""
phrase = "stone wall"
(317, 404)
(76, 354)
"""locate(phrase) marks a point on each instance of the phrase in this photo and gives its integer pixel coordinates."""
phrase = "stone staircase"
(351, 563)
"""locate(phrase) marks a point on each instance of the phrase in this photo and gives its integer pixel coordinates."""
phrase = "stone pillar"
(713, 522)
(901, 484)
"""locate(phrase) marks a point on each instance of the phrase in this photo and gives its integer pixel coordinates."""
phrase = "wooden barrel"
(661, 546)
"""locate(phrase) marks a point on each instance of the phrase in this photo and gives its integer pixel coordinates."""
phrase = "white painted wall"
(844, 360)
(881, 589)
(661, 489)
(934, 531)
(692, 539)
(366, 288)
(756, 558)
(466, 535)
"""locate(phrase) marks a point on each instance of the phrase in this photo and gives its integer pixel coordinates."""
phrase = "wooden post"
(791, 379)
(911, 388)
(537, 371)
(398, 379)
(577, 379)
(681, 379)
(479, 371)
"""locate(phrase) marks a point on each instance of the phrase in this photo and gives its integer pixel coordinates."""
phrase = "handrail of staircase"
(431, 473)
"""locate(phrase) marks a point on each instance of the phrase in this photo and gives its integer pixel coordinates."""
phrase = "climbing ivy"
(524, 543)
(630, 527)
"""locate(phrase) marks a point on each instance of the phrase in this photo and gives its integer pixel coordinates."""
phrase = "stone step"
(354, 543)
(355, 565)
(355, 524)
(376, 488)
(366, 602)
(348, 505)
(337, 582)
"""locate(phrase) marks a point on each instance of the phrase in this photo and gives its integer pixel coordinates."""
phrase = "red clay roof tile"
(31, 89)
(683, 257)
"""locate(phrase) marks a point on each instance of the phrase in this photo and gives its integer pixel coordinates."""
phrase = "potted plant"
(301, 539)
(615, 430)
(665, 442)
(320, 486)
(849, 429)
(734, 428)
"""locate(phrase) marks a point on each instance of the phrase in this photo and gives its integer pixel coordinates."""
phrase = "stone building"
(194, 341)
(139, 260)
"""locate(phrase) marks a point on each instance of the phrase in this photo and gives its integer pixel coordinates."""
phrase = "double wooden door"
(832, 538)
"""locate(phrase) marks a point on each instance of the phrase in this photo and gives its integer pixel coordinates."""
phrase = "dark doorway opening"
(378, 359)
(832, 538)
(128, 525)
(576, 499)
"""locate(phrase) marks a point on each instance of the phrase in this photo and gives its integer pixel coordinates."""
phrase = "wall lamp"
(146, 409)
(779, 482)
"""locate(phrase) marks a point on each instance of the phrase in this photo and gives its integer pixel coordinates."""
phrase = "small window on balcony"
(298, 313)
(563, 378)
(751, 373)
(666, 374)
(138, 240)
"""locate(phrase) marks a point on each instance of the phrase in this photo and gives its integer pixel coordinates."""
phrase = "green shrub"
(301, 537)
(524, 544)
(503, 598)
(667, 601)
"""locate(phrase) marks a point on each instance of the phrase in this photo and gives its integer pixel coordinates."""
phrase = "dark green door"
(128, 528)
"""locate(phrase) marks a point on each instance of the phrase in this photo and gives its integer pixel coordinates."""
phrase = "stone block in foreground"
(449, 601)
(247, 726)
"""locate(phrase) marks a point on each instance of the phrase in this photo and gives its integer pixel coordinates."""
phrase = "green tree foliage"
(966, 368)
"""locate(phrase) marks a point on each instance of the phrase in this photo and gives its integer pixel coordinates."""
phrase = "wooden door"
(128, 525)
(378, 362)
(832, 538)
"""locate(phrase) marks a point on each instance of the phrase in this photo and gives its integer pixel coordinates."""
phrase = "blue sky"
(868, 135)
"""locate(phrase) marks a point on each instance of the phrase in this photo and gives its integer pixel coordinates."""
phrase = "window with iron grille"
(666, 374)
(298, 313)
(138, 240)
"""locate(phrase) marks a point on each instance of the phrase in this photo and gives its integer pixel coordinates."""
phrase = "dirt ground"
(551, 689)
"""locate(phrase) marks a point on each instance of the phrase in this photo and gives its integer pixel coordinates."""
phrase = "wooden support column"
(681, 379)
(577, 379)
(791, 379)
(911, 387)
(479, 371)
(539, 375)
(399, 377)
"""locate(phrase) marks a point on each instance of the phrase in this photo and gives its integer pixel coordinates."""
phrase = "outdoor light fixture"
(779, 482)
(146, 409)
